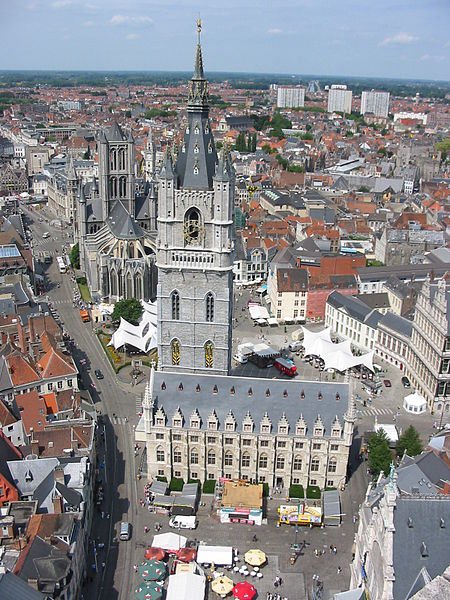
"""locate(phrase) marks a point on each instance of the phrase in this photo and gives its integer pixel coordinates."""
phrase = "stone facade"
(428, 362)
(273, 431)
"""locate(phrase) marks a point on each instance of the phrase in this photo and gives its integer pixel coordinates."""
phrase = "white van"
(295, 346)
(45, 235)
(183, 522)
(125, 531)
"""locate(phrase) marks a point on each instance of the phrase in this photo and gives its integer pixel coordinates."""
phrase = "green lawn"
(84, 291)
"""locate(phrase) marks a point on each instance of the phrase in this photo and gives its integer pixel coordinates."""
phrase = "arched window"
(138, 287)
(194, 457)
(160, 456)
(122, 187)
(209, 355)
(113, 187)
(315, 464)
(192, 227)
(280, 462)
(176, 353)
(209, 301)
(113, 283)
(332, 465)
(113, 159)
(298, 463)
(245, 461)
(211, 457)
(228, 460)
(177, 455)
(175, 300)
(122, 164)
(263, 461)
(129, 291)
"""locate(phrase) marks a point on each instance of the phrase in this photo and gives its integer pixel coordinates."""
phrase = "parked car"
(406, 383)
(295, 346)
(387, 382)
(99, 374)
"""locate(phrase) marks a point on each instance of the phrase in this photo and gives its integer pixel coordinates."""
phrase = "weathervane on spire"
(199, 28)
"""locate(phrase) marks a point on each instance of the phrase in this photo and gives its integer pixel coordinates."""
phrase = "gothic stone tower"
(195, 246)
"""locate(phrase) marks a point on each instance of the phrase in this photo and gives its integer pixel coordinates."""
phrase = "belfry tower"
(195, 245)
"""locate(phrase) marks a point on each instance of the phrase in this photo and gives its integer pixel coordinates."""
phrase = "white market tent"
(335, 356)
(169, 541)
(415, 403)
(186, 586)
(142, 336)
(258, 312)
(219, 555)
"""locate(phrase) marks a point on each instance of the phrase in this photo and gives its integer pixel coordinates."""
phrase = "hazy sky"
(389, 38)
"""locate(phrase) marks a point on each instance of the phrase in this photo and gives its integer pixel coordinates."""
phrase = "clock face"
(192, 232)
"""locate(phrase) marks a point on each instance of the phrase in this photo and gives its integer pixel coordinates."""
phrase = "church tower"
(195, 245)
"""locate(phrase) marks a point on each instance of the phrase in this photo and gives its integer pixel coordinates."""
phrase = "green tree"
(75, 256)
(130, 310)
(307, 136)
(380, 456)
(87, 154)
(444, 148)
(241, 143)
(410, 442)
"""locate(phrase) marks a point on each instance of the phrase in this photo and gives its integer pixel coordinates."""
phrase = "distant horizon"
(248, 74)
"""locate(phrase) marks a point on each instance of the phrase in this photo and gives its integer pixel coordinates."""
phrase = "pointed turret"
(71, 172)
(167, 168)
(196, 162)
(223, 168)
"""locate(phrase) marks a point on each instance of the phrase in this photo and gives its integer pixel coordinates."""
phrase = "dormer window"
(335, 433)
(177, 422)
(210, 149)
(229, 426)
(212, 425)
(196, 149)
(248, 427)
(196, 170)
(282, 430)
(265, 428)
(196, 130)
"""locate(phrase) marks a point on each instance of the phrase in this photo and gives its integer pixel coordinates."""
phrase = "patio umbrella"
(244, 591)
(148, 591)
(255, 557)
(152, 570)
(187, 554)
(155, 554)
(222, 585)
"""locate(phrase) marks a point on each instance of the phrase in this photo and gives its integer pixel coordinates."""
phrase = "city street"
(117, 464)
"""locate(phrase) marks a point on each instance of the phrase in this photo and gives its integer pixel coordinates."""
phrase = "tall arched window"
(209, 300)
(192, 227)
(177, 455)
(332, 465)
(175, 300)
(194, 457)
(113, 187)
(122, 159)
(122, 187)
(113, 159)
(209, 355)
(297, 466)
(129, 291)
(280, 462)
(211, 457)
(315, 464)
(176, 352)
(113, 283)
(160, 456)
(138, 287)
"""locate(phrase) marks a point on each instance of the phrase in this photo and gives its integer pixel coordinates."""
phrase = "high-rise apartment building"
(290, 97)
(376, 103)
(339, 99)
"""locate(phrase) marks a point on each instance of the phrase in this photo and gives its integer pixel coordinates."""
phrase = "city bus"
(61, 264)
(285, 366)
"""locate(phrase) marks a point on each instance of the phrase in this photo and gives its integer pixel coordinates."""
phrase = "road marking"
(377, 411)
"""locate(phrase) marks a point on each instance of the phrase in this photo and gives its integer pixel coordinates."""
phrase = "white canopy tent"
(142, 336)
(335, 356)
(186, 586)
(219, 555)
(258, 312)
(415, 403)
(169, 541)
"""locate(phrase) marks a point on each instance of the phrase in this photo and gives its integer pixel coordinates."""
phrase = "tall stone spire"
(198, 88)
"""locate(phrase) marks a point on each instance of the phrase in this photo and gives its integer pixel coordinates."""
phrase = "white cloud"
(125, 20)
(399, 38)
(432, 57)
(88, 24)
(275, 31)
(132, 36)
(61, 3)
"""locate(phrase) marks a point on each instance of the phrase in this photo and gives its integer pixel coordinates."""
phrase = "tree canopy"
(75, 256)
(410, 442)
(444, 148)
(131, 310)
(380, 456)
